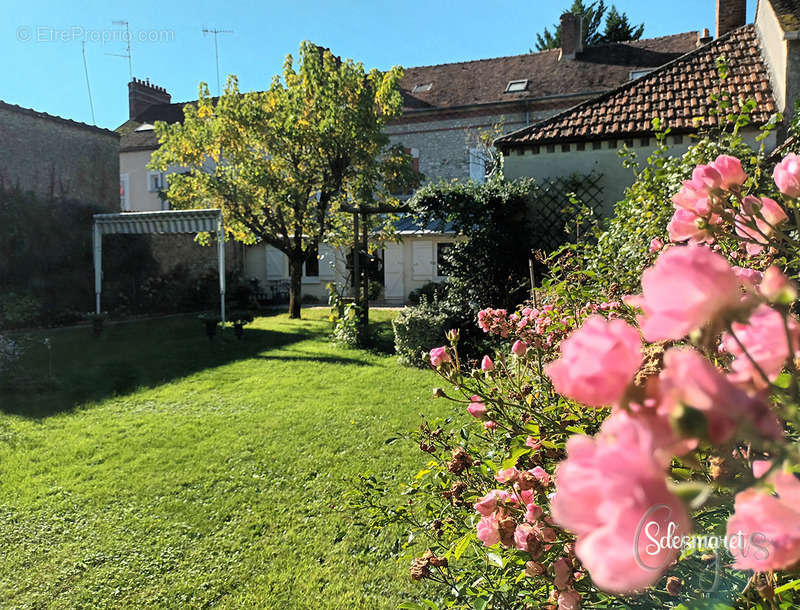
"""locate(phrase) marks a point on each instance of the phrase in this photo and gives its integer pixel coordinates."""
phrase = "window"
(517, 86)
(442, 248)
(477, 165)
(124, 194)
(156, 182)
(312, 262)
(634, 74)
(422, 88)
(677, 140)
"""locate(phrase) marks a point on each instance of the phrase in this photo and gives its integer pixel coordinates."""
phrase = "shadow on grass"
(380, 338)
(80, 368)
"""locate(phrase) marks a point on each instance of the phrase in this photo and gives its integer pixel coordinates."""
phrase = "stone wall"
(57, 158)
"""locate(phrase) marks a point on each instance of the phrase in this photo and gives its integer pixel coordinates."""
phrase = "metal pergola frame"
(170, 221)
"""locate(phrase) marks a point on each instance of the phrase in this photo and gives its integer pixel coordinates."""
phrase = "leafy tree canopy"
(617, 27)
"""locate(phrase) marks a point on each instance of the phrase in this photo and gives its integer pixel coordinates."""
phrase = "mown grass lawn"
(167, 470)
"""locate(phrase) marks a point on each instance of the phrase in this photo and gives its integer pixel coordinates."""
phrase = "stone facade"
(57, 158)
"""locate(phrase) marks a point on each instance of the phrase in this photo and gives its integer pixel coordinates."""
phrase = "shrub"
(430, 291)
(418, 329)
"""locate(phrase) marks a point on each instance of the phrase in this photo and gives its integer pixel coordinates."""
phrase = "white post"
(221, 262)
(97, 246)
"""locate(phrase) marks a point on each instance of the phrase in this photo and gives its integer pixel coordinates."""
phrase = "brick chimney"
(142, 95)
(731, 14)
(571, 36)
(703, 37)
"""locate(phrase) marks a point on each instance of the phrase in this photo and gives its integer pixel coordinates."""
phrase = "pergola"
(172, 221)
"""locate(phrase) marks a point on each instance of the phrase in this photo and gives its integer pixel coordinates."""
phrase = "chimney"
(571, 36)
(731, 14)
(142, 95)
(704, 38)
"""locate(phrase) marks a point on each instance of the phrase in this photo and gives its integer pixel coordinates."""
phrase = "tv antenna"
(127, 53)
(216, 33)
(86, 72)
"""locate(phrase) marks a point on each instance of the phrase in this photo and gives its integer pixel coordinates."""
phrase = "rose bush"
(634, 454)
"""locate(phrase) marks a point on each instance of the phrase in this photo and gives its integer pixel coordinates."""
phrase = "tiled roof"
(407, 225)
(678, 93)
(484, 81)
(788, 13)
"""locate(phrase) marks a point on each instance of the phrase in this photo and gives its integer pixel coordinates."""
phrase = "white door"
(393, 272)
(422, 259)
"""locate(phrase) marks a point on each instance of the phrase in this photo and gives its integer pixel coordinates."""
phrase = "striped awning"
(169, 221)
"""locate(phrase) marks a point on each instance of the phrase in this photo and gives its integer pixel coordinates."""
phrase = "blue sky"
(40, 42)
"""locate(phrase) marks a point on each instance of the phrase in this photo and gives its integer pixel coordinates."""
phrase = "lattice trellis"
(553, 211)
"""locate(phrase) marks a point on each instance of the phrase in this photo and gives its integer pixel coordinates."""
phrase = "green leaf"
(461, 546)
(495, 558)
(789, 586)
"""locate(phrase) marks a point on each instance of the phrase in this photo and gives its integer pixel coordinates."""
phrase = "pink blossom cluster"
(608, 486)
(702, 204)
(512, 518)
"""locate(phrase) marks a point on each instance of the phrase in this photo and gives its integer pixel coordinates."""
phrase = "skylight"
(515, 86)
(422, 88)
(634, 74)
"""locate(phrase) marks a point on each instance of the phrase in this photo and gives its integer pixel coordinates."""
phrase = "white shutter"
(422, 259)
(327, 262)
(393, 271)
(477, 166)
(276, 264)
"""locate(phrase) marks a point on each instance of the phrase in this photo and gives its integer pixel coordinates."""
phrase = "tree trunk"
(295, 274)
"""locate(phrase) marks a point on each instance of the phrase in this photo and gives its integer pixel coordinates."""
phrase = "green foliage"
(419, 329)
(609, 261)
(617, 27)
(430, 291)
(281, 163)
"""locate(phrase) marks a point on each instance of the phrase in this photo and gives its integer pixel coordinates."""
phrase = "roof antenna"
(127, 53)
(216, 33)
(86, 72)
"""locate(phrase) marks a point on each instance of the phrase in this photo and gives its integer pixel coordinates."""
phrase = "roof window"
(422, 88)
(515, 86)
(634, 74)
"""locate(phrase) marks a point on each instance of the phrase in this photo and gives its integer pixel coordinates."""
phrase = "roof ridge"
(631, 83)
(605, 44)
(53, 117)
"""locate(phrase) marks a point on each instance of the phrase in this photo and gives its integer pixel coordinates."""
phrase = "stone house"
(764, 65)
(446, 107)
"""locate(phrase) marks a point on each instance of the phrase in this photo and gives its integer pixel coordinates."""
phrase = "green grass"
(166, 470)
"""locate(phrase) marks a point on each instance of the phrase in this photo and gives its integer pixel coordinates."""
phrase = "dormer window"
(517, 86)
(422, 88)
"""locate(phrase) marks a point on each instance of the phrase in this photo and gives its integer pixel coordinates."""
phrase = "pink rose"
(541, 475)
(487, 364)
(764, 338)
(489, 530)
(488, 503)
(730, 170)
(562, 572)
(776, 287)
(765, 530)
(476, 408)
(490, 425)
(506, 476)
(569, 600)
(656, 245)
(748, 278)
(519, 348)
(439, 356)
(525, 538)
(533, 512)
(766, 214)
(597, 362)
(689, 379)
(685, 289)
(787, 175)
(608, 492)
(685, 225)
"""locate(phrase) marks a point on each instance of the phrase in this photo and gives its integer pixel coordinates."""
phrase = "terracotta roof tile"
(484, 81)
(677, 93)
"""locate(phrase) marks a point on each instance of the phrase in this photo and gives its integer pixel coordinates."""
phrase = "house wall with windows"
(140, 186)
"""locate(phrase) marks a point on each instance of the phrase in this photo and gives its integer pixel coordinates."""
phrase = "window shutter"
(422, 260)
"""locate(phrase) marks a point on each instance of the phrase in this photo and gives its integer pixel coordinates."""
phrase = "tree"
(617, 26)
(619, 29)
(285, 163)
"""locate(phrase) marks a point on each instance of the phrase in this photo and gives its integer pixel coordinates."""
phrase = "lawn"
(162, 469)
